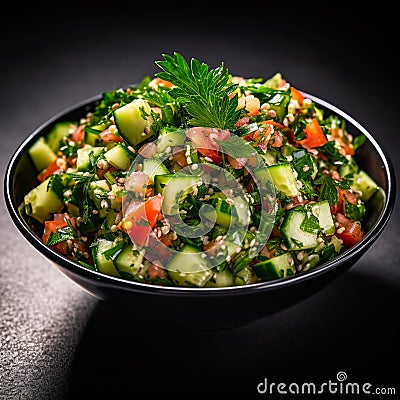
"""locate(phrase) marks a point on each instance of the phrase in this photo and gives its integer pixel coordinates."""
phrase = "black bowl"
(207, 308)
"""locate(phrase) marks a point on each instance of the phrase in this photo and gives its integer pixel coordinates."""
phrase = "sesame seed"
(336, 224)
(210, 191)
(103, 204)
(306, 168)
(113, 228)
(84, 239)
(115, 106)
(290, 117)
(286, 122)
(203, 255)
(341, 230)
(168, 150)
(67, 193)
(208, 159)
(230, 201)
(146, 130)
(131, 149)
(300, 255)
(86, 254)
(195, 166)
(283, 247)
(272, 113)
(265, 106)
(95, 211)
(306, 267)
(228, 259)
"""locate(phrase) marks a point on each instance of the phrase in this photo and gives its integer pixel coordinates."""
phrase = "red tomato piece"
(203, 141)
(140, 222)
(351, 234)
(314, 135)
(53, 168)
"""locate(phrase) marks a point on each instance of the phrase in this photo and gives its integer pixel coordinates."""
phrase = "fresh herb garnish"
(60, 235)
(236, 147)
(205, 93)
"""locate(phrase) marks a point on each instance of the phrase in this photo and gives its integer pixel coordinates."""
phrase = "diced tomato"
(338, 136)
(274, 123)
(52, 227)
(53, 168)
(203, 141)
(344, 196)
(296, 95)
(242, 121)
(314, 135)
(79, 134)
(278, 139)
(108, 136)
(352, 232)
(162, 82)
(140, 222)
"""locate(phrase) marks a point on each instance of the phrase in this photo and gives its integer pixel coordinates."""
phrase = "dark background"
(58, 342)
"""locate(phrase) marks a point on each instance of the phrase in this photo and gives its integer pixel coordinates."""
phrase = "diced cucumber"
(283, 177)
(92, 137)
(41, 154)
(178, 187)
(337, 243)
(292, 234)
(57, 133)
(129, 261)
(245, 276)
(277, 267)
(269, 158)
(132, 119)
(44, 200)
(98, 192)
(322, 211)
(225, 213)
(119, 157)
(364, 183)
(160, 181)
(153, 167)
(83, 157)
(102, 264)
(170, 138)
(188, 268)
(221, 279)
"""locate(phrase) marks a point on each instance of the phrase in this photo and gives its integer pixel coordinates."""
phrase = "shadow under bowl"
(202, 308)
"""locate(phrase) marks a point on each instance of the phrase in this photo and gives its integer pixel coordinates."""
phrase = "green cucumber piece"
(170, 138)
(364, 183)
(129, 261)
(153, 167)
(132, 119)
(292, 234)
(119, 157)
(98, 193)
(83, 157)
(178, 187)
(44, 200)
(102, 264)
(283, 177)
(41, 154)
(188, 268)
(160, 181)
(277, 267)
(221, 279)
(57, 133)
(322, 211)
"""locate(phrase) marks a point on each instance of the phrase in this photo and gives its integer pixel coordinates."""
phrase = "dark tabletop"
(59, 342)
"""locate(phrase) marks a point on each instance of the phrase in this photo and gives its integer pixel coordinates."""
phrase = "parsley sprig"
(204, 92)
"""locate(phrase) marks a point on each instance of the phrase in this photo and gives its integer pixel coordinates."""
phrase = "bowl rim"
(120, 283)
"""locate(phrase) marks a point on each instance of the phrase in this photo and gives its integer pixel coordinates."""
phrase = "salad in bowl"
(199, 178)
